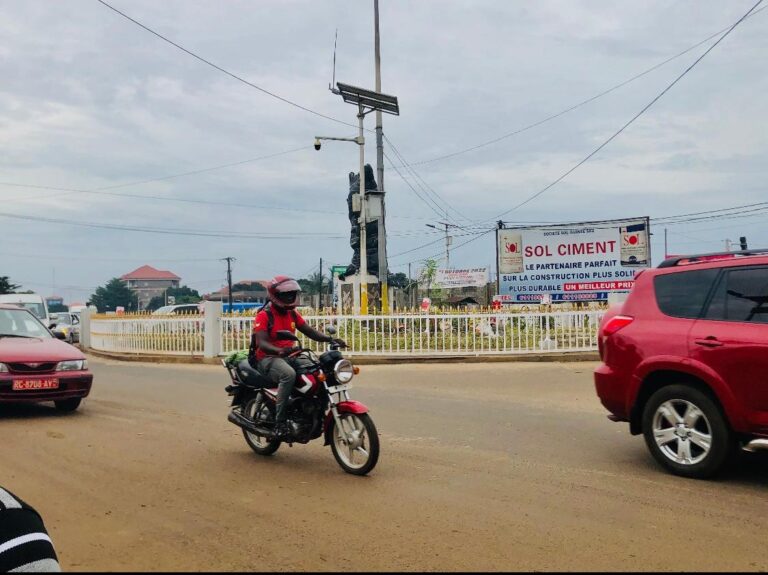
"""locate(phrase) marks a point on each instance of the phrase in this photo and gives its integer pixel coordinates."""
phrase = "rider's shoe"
(282, 431)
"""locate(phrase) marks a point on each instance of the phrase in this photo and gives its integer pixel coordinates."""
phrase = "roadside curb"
(557, 357)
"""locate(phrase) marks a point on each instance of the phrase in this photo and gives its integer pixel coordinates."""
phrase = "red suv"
(685, 359)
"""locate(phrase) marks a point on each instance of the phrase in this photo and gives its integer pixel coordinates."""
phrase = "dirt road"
(483, 467)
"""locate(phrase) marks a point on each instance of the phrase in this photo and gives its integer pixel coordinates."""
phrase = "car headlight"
(72, 365)
(3, 368)
(344, 371)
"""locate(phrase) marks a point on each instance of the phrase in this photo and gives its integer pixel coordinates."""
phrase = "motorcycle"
(319, 406)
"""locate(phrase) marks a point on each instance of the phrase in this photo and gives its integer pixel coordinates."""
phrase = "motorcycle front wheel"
(259, 411)
(356, 446)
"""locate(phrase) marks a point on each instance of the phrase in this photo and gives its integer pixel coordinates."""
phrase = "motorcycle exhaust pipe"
(756, 445)
(241, 421)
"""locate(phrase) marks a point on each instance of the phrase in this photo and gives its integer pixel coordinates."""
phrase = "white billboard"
(571, 262)
(457, 278)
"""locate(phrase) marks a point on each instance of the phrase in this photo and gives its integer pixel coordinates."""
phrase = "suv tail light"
(616, 323)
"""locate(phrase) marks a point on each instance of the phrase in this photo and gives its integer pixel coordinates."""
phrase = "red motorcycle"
(318, 406)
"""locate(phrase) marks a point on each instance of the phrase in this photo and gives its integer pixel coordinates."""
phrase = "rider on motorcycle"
(272, 354)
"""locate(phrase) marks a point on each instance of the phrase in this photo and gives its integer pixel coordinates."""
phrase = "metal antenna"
(333, 82)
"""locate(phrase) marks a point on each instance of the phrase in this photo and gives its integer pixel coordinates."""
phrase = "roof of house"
(257, 285)
(150, 273)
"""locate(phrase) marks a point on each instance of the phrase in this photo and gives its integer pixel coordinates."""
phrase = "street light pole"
(363, 239)
(383, 265)
(366, 101)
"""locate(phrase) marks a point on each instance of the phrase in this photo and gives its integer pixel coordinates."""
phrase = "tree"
(428, 274)
(112, 295)
(6, 286)
(182, 294)
(398, 280)
(309, 285)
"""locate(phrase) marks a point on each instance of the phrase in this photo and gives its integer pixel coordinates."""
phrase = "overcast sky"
(89, 100)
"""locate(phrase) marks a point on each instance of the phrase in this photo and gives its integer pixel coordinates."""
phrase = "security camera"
(317, 143)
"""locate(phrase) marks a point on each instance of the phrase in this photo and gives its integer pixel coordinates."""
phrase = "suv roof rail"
(714, 256)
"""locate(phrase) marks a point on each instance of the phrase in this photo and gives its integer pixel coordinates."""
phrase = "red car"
(685, 359)
(35, 366)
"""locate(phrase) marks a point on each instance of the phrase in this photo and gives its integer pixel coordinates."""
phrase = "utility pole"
(666, 251)
(229, 261)
(448, 240)
(320, 287)
(727, 245)
(410, 285)
(383, 267)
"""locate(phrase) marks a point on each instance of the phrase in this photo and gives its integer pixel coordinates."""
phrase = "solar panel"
(369, 99)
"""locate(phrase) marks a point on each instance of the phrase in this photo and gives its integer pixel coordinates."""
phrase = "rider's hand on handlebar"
(339, 342)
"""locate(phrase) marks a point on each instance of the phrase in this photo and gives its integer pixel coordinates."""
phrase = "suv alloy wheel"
(686, 431)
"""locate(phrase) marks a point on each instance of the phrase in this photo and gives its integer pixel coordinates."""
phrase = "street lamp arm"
(357, 140)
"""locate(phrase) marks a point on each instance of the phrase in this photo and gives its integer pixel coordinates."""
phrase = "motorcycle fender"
(350, 406)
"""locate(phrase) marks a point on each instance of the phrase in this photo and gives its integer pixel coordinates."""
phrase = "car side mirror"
(52, 325)
(59, 334)
(330, 330)
(285, 334)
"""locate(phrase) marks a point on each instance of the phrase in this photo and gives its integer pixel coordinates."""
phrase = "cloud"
(89, 100)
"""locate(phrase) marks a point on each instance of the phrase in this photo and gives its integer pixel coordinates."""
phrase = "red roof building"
(148, 282)
(150, 273)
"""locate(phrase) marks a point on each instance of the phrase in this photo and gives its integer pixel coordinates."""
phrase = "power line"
(224, 71)
(580, 104)
(635, 117)
(424, 186)
(200, 233)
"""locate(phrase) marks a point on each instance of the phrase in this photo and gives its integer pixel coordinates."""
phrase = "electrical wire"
(580, 104)
(632, 120)
(224, 71)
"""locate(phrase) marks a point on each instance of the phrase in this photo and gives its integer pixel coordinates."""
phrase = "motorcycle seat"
(251, 377)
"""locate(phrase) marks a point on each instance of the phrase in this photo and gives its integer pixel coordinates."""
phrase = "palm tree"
(428, 273)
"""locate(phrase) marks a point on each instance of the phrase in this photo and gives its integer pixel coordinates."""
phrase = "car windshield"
(163, 310)
(62, 319)
(35, 307)
(21, 323)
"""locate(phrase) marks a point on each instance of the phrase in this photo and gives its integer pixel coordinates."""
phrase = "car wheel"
(68, 405)
(686, 432)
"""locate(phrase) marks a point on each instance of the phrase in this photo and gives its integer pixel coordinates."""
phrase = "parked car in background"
(35, 366)
(68, 324)
(180, 309)
(685, 359)
(32, 301)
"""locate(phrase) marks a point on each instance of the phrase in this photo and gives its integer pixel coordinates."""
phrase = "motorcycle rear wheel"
(361, 456)
(259, 411)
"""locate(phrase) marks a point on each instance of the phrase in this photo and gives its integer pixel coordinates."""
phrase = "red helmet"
(284, 292)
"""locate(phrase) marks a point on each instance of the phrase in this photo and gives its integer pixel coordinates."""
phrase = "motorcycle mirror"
(285, 334)
(330, 330)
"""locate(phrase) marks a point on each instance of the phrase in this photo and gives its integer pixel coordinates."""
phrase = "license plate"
(338, 388)
(34, 384)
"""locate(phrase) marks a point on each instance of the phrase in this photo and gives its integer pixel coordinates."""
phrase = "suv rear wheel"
(686, 431)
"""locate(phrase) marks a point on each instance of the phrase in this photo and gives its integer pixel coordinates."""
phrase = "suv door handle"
(710, 341)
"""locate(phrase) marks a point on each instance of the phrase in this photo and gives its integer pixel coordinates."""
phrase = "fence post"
(211, 325)
(85, 328)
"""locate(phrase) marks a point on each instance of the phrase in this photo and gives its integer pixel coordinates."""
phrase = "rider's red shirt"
(282, 321)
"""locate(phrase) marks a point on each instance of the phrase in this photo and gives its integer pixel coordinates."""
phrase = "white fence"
(419, 335)
(149, 335)
(382, 335)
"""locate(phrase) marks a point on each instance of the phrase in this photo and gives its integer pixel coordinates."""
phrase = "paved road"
(483, 467)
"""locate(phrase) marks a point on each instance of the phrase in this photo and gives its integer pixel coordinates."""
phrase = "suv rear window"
(741, 295)
(682, 294)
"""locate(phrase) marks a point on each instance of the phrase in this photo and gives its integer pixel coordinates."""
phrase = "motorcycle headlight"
(72, 365)
(3, 368)
(344, 371)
